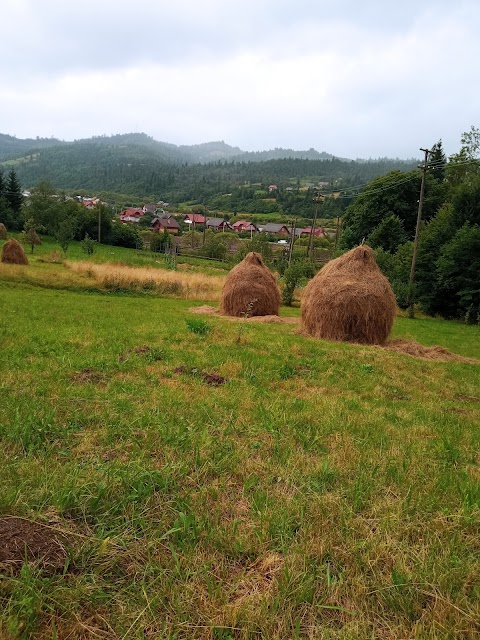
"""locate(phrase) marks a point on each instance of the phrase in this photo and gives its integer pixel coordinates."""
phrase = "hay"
(417, 350)
(13, 253)
(349, 300)
(250, 289)
(3, 231)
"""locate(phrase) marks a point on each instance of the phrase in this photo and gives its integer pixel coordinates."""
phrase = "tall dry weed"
(191, 286)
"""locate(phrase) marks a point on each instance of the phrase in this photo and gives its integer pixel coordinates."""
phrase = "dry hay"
(13, 253)
(3, 231)
(349, 300)
(416, 350)
(25, 541)
(250, 289)
(270, 319)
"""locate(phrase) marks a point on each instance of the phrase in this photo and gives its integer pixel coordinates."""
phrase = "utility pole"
(312, 231)
(337, 233)
(204, 223)
(292, 241)
(417, 233)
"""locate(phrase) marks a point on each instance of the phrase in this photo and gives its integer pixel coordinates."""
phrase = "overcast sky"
(356, 78)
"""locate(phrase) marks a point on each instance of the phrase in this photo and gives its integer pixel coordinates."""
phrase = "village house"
(150, 208)
(132, 214)
(194, 218)
(218, 224)
(272, 187)
(276, 229)
(318, 233)
(165, 224)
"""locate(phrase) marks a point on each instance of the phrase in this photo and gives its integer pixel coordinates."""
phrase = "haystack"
(3, 231)
(349, 300)
(250, 289)
(13, 253)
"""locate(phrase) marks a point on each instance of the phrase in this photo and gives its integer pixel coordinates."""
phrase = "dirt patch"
(212, 379)
(88, 375)
(142, 350)
(417, 350)
(25, 541)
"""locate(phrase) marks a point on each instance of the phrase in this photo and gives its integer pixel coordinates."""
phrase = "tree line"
(447, 278)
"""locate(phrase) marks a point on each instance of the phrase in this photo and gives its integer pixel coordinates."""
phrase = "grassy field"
(227, 480)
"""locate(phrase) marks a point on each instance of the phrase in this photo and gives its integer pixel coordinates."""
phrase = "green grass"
(324, 491)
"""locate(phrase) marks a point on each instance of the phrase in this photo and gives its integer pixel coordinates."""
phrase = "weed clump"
(350, 300)
(13, 253)
(250, 285)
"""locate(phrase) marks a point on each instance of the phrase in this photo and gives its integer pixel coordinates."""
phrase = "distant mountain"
(12, 147)
(136, 164)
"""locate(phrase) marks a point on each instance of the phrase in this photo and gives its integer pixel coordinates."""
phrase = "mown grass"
(324, 491)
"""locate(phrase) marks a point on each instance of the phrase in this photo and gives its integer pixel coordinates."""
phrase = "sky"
(355, 78)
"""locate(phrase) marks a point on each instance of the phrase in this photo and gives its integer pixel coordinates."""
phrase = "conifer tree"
(13, 192)
(437, 161)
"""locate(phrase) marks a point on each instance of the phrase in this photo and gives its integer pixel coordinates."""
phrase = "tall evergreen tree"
(13, 192)
(437, 161)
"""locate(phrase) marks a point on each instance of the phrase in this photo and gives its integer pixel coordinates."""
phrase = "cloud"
(256, 75)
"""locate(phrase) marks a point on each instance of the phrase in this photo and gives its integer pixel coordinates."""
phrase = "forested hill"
(12, 148)
(139, 170)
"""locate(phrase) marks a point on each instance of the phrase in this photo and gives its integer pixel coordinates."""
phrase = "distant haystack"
(3, 231)
(250, 289)
(13, 253)
(349, 300)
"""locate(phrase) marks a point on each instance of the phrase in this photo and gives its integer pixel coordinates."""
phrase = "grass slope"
(325, 490)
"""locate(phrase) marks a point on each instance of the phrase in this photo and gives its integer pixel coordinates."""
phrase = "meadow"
(219, 479)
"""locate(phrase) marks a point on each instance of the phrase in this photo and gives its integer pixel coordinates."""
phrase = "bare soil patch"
(212, 379)
(88, 375)
(24, 541)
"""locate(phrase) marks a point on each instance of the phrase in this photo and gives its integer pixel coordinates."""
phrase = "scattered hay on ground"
(24, 541)
(250, 289)
(274, 319)
(204, 309)
(349, 300)
(3, 231)
(13, 253)
(417, 350)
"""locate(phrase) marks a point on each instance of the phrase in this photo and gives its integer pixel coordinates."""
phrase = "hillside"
(138, 165)
(194, 475)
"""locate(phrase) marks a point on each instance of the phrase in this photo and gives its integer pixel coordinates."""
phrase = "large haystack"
(3, 231)
(250, 289)
(13, 253)
(349, 300)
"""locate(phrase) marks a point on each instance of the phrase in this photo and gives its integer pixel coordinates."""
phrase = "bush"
(294, 274)
(124, 235)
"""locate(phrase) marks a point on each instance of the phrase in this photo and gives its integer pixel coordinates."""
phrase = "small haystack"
(3, 231)
(349, 300)
(250, 289)
(13, 253)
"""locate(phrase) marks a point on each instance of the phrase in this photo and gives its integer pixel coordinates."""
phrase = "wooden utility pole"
(312, 231)
(292, 241)
(417, 233)
(337, 233)
(204, 223)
